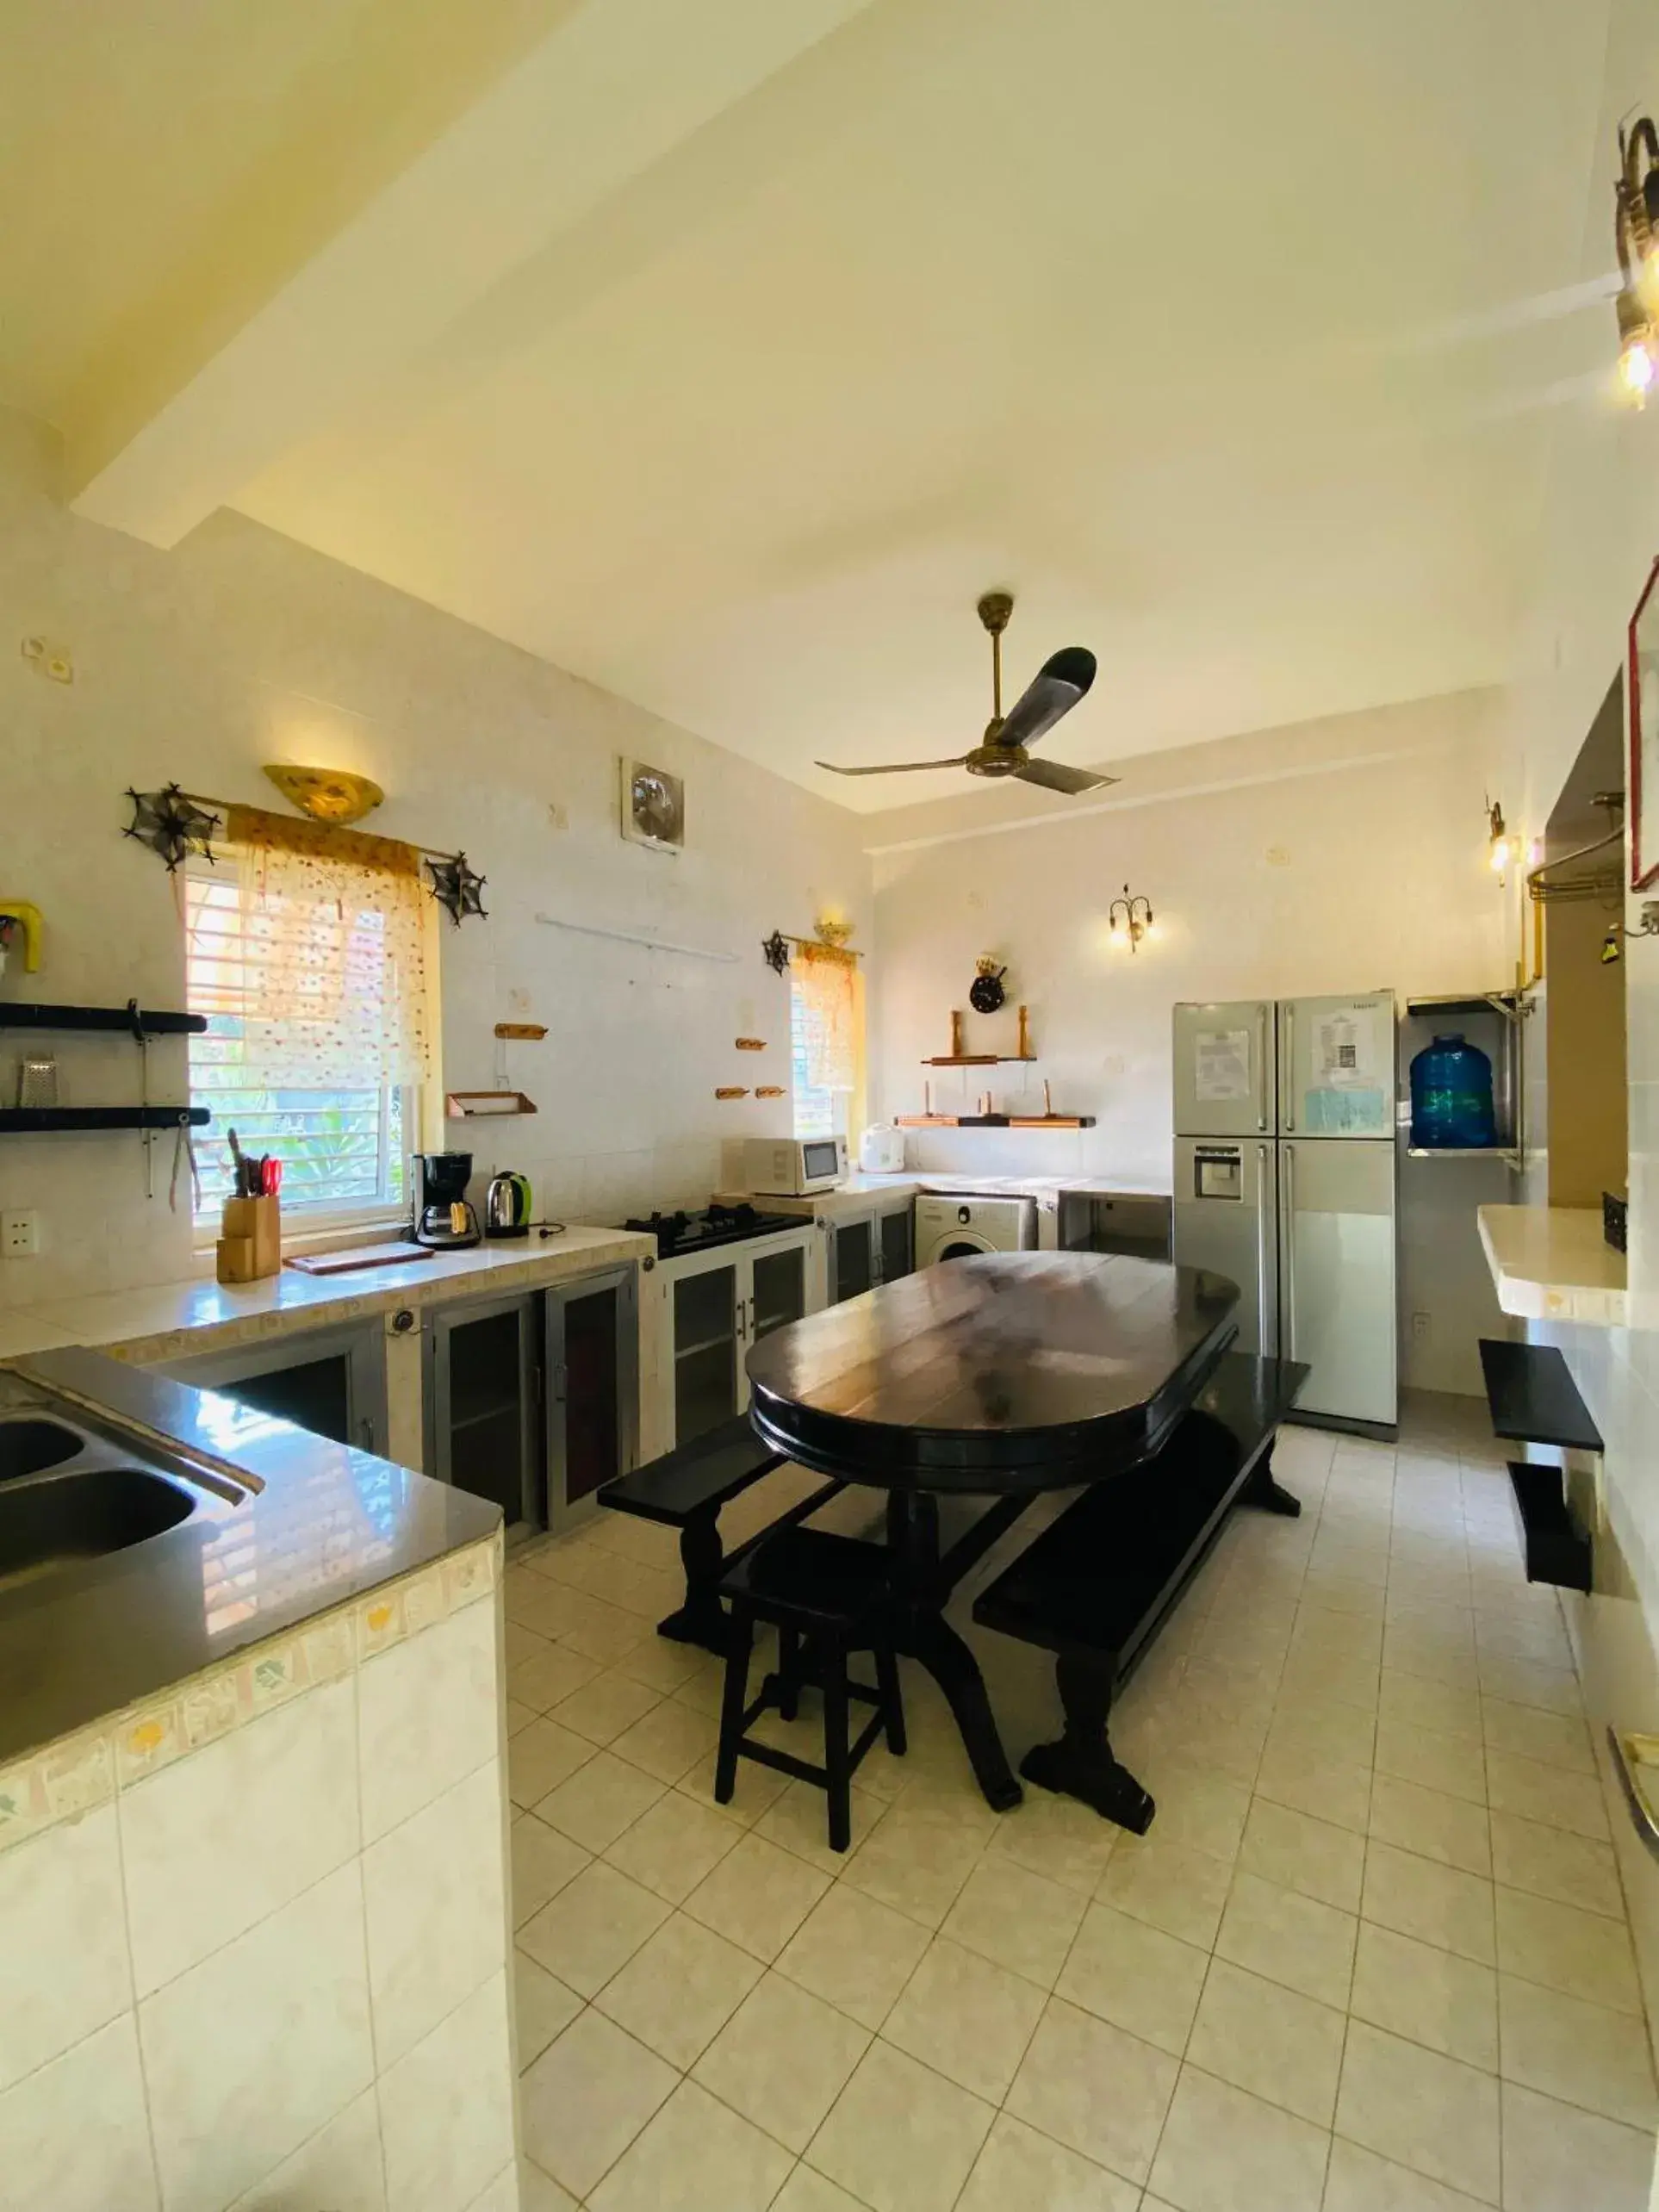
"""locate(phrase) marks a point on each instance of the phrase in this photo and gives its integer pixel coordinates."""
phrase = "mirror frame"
(1644, 849)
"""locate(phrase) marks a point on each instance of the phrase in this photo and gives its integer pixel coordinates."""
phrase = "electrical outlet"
(1422, 1325)
(20, 1235)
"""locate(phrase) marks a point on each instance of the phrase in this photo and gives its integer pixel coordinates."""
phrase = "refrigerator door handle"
(1261, 1067)
(1288, 1103)
(1288, 1245)
(1263, 1332)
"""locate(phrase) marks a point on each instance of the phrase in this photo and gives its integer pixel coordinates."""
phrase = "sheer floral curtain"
(828, 981)
(330, 981)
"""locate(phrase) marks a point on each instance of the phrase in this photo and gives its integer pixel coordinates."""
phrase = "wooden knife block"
(250, 1240)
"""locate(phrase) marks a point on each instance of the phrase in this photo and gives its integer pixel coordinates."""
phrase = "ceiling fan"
(1055, 690)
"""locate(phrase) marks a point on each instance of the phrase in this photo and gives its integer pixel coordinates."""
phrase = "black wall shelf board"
(1557, 1549)
(120, 1021)
(1533, 1397)
(1496, 1002)
(35, 1121)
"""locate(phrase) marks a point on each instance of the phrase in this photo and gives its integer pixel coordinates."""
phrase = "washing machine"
(950, 1228)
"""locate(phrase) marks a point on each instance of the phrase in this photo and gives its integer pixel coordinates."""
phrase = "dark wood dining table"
(999, 1377)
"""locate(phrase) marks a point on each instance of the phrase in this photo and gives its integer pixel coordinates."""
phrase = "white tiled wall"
(274, 1974)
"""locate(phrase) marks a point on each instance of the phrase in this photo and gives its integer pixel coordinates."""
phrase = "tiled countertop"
(1552, 1264)
(168, 1320)
(321, 1524)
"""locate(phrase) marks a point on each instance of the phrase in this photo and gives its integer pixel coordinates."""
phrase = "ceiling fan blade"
(1054, 775)
(1053, 691)
(892, 767)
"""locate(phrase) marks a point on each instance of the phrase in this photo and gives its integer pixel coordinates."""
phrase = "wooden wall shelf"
(979, 1059)
(994, 1120)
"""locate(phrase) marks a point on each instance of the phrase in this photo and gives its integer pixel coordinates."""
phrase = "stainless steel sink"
(68, 1495)
(29, 1446)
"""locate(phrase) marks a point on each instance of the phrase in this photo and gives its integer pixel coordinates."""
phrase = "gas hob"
(680, 1233)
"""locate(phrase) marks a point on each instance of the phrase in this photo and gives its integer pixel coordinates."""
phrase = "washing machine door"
(945, 1230)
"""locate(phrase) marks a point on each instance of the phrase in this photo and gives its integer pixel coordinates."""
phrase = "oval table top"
(1001, 1372)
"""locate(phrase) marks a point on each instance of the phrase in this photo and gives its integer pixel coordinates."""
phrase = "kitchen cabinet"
(532, 1402)
(874, 1244)
(715, 1306)
(330, 1381)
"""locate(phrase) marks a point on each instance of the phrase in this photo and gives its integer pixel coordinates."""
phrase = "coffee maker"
(443, 1218)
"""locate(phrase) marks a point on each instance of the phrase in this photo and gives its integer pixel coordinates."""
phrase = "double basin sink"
(67, 1496)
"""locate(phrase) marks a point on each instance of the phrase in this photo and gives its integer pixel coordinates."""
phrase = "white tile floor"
(1373, 1956)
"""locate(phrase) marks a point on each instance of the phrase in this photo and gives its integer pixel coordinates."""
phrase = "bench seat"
(1098, 1585)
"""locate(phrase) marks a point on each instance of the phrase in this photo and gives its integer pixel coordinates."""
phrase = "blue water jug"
(1451, 1098)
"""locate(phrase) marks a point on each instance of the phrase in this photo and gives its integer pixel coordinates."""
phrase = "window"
(826, 1040)
(316, 1028)
(818, 1109)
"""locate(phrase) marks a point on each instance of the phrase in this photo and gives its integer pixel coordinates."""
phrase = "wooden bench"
(1099, 1583)
(1534, 1400)
(686, 1489)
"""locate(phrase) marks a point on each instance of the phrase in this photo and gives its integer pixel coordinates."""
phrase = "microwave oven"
(794, 1167)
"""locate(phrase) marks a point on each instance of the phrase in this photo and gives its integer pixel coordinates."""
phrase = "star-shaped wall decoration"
(775, 951)
(171, 825)
(457, 888)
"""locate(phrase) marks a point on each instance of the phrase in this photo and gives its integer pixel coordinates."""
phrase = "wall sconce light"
(1502, 848)
(1131, 919)
(1635, 233)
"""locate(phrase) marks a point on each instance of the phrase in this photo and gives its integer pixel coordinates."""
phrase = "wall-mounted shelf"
(34, 1121)
(993, 1121)
(129, 1020)
(1505, 1152)
(1507, 1002)
(1509, 1009)
(979, 1059)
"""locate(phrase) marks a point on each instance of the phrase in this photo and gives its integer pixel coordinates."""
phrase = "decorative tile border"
(87, 1769)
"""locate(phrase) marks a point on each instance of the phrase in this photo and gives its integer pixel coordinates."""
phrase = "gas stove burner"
(681, 1232)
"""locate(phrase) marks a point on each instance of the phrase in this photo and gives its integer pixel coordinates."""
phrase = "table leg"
(1081, 1764)
(921, 1633)
(1262, 1490)
(702, 1620)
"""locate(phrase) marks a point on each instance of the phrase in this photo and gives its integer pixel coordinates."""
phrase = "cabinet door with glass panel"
(593, 1390)
(717, 1305)
(482, 1380)
(866, 1249)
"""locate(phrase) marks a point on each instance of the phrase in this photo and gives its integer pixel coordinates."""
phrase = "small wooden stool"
(827, 1596)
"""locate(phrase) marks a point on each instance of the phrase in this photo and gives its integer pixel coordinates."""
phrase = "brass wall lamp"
(1636, 235)
(1131, 919)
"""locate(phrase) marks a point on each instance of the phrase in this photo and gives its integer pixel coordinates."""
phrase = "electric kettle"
(506, 1205)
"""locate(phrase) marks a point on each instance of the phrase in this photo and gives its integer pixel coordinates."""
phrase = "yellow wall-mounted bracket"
(27, 919)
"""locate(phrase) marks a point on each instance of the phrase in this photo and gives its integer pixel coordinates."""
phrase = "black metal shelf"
(1481, 1002)
(129, 1020)
(34, 1120)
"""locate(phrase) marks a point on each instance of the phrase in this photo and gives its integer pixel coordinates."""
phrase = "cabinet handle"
(1288, 1248)
(1262, 1330)
(1261, 1067)
(1288, 1066)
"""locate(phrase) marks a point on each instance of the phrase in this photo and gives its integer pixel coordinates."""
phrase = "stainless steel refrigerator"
(1285, 1180)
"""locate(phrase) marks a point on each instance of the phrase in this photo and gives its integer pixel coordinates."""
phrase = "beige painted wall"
(1588, 1150)
(241, 647)
(1598, 536)
(1337, 856)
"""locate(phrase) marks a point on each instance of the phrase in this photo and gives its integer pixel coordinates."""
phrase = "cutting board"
(348, 1263)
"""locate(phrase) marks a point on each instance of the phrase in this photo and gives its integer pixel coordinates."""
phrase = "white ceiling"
(1228, 338)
